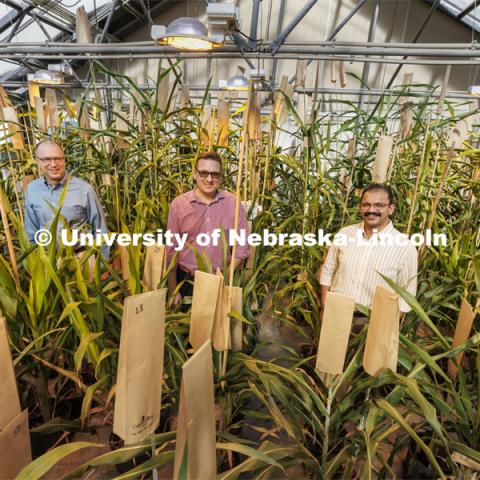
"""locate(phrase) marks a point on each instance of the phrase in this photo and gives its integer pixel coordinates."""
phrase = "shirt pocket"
(389, 271)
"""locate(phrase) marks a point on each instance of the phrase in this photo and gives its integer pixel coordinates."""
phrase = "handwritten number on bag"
(139, 309)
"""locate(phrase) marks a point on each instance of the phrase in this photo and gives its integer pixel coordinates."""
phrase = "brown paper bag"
(15, 450)
(237, 325)
(10, 116)
(125, 263)
(153, 270)
(163, 91)
(223, 122)
(206, 291)
(83, 117)
(52, 107)
(9, 401)
(381, 348)
(226, 331)
(462, 332)
(40, 111)
(26, 179)
(33, 92)
(83, 28)
(196, 434)
(221, 322)
(140, 366)
(382, 158)
(336, 326)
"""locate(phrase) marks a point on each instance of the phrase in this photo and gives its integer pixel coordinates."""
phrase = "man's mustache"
(366, 214)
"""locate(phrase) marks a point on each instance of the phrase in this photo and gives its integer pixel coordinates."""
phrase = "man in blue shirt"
(81, 206)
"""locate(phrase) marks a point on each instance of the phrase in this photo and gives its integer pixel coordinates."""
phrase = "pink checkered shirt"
(188, 214)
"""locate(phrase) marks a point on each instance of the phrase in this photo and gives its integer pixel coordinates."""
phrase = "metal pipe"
(336, 30)
(15, 28)
(303, 90)
(415, 38)
(279, 28)
(254, 24)
(240, 46)
(366, 66)
(290, 57)
(108, 21)
(266, 47)
(12, 49)
(281, 37)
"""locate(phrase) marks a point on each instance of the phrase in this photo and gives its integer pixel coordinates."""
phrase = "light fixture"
(55, 75)
(45, 77)
(222, 19)
(474, 90)
(237, 83)
(188, 33)
(185, 33)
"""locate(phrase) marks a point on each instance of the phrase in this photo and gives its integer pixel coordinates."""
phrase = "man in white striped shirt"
(372, 247)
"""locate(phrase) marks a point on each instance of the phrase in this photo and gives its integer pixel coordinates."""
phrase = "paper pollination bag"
(140, 366)
(462, 332)
(335, 332)
(154, 265)
(210, 308)
(381, 347)
(382, 159)
(196, 434)
(15, 451)
(206, 291)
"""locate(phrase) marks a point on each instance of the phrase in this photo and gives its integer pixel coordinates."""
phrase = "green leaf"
(395, 415)
(43, 464)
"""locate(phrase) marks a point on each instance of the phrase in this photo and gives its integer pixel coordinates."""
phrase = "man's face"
(205, 174)
(51, 161)
(375, 209)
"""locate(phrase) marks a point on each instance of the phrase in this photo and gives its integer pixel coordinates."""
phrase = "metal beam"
(14, 29)
(252, 43)
(306, 91)
(366, 66)
(135, 49)
(279, 29)
(282, 36)
(467, 10)
(11, 17)
(108, 21)
(414, 40)
(337, 29)
(41, 16)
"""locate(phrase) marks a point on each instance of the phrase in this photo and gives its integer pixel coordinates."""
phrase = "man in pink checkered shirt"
(202, 210)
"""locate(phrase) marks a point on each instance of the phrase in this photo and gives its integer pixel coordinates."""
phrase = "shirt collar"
(387, 230)
(192, 197)
(61, 183)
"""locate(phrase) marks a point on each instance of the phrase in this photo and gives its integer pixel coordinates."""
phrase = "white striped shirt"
(352, 269)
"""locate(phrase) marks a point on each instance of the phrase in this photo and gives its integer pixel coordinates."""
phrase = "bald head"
(51, 160)
(40, 145)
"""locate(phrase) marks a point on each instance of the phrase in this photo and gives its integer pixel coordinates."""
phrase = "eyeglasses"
(376, 206)
(205, 174)
(48, 160)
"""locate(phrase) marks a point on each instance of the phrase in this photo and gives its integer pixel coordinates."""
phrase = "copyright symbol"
(43, 237)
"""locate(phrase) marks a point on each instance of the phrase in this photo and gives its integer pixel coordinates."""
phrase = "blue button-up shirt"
(80, 207)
